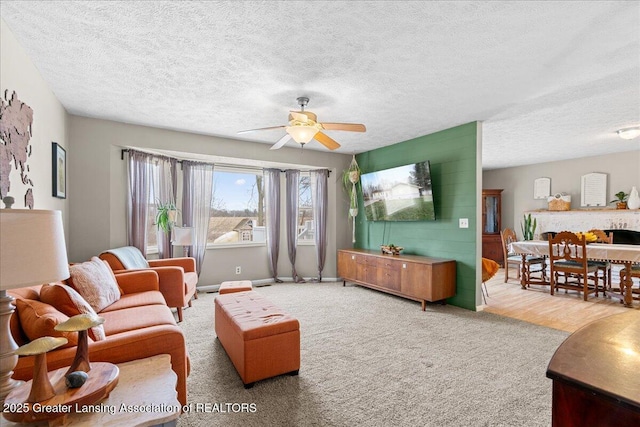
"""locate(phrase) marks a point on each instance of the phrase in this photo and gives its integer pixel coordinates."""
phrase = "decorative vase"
(633, 202)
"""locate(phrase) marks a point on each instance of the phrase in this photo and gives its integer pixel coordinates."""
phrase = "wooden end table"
(145, 396)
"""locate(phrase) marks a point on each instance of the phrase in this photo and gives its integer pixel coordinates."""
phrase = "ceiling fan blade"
(350, 127)
(253, 130)
(327, 141)
(280, 142)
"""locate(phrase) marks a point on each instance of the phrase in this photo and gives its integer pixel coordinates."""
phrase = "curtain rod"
(126, 150)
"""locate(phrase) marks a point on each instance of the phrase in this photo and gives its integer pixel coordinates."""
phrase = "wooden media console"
(410, 276)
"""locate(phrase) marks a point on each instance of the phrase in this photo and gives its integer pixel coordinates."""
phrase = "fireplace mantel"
(582, 220)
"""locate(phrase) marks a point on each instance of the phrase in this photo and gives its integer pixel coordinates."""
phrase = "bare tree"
(305, 200)
(257, 191)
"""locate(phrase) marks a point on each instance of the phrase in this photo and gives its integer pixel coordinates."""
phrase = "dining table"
(627, 255)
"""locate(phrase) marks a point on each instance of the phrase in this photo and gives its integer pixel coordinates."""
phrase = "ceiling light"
(302, 134)
(629, 133)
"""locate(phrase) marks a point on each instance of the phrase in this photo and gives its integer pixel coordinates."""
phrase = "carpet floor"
(368, 358)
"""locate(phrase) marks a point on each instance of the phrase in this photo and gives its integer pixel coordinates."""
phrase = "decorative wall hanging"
(59, 170)
(16, 120)
(542, 188)
(350, 179)
(593, 190)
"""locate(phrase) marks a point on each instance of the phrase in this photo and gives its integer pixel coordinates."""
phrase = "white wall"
(98, 180)
(17, 73)
(622, 169)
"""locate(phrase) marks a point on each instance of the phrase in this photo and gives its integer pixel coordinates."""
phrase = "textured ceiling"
(550, 80)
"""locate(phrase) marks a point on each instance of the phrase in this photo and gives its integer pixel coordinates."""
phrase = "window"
(152, 229)
(305, 210)
(238, 207)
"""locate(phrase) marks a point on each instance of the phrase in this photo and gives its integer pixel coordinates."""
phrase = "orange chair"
(178, 277)
(489, 269)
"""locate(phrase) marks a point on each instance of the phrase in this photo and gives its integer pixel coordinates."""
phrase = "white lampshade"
(32, 248)
(183, 236)
(302, 134)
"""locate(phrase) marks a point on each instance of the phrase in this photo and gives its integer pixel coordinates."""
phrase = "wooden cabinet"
(491, 225)
(418, 278)
(595, 376)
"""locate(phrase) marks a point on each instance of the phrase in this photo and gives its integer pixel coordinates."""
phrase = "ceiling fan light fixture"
(302, 134)
(629, 133)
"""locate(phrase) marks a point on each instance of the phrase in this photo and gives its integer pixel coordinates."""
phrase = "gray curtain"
(197, 197)
(272, 201)
(320, 199)
(138, 199)
(293, 188)
(165, 189)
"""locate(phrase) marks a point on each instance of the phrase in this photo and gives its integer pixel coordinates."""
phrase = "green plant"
(165, 215)
(528, 227)
(621, 196)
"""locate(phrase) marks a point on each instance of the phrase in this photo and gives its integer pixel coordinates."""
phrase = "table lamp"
(32, 252)
(183, 236)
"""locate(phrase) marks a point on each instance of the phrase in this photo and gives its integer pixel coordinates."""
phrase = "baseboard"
(265, 282)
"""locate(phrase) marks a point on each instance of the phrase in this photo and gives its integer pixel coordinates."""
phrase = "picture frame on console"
(58, 171)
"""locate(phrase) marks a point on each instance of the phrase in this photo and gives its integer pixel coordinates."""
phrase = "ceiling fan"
(304, 126)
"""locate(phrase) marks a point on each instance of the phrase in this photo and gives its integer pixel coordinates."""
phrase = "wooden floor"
(567, 312)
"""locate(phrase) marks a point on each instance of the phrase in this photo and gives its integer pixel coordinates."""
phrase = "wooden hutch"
(491, 225)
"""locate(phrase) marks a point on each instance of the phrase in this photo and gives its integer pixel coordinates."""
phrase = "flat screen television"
(403, 193)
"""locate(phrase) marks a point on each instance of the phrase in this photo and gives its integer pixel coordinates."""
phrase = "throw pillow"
(71, 303)
(95, 281)
(39, 320)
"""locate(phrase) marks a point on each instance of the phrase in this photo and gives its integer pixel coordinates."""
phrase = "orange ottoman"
(260, 339)
(235, 286)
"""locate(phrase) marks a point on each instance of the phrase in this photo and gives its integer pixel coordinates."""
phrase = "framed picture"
(59, 170)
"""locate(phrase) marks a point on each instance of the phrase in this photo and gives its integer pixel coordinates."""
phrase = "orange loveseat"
(178, 277)
(137, 326)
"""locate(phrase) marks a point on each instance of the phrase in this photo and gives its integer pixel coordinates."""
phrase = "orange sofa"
(137, 326)
(260, 339)
(178, 276)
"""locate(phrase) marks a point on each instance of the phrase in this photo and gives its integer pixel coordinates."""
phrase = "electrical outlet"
(238, 270)
(463, 223)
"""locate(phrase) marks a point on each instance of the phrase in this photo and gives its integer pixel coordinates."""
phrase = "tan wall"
(622, 169)
(99, 180)
(17, 73)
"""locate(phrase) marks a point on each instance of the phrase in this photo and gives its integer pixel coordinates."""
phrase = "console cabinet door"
(347, 266)
(362, 268)
(416, 280)
(372, 270)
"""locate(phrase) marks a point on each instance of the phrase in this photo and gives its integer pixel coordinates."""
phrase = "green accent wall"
(452, 156)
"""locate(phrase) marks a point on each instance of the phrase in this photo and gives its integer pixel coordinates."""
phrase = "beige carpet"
(369, 358)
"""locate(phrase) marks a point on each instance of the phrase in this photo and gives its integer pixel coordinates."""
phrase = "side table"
(145, 396)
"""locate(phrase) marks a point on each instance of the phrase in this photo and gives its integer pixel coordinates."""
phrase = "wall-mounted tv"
(403, 193)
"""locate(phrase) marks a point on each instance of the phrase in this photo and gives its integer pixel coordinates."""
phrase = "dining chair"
(511, 259)
(635, 273)
(567, 257)
(603, 266)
